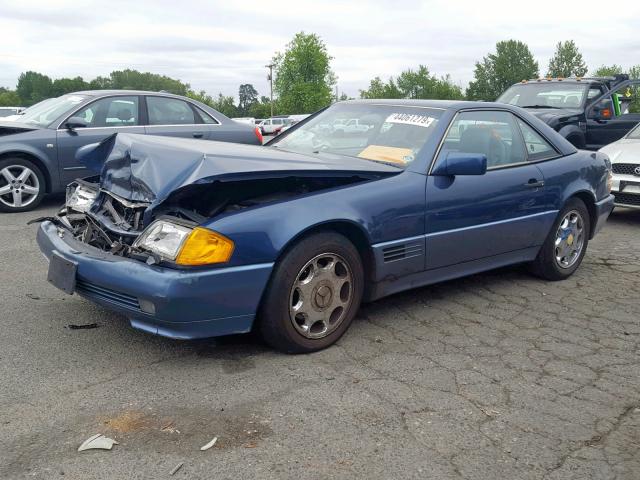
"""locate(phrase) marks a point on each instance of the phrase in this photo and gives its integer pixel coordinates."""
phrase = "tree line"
(304, 81)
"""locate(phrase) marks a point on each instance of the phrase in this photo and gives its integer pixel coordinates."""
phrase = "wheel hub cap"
(321, 295)
(569, 239)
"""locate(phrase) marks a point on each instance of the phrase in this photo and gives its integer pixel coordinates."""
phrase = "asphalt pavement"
(495, 376)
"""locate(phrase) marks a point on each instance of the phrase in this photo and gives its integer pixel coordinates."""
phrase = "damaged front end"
(101, 219)
(154, 194)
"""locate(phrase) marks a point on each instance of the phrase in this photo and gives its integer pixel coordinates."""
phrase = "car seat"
(481, 139)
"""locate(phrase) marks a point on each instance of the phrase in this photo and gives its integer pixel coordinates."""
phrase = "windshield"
(384, 133)
(5, 112)
(545, 95)
(43, 113)
(635, 133)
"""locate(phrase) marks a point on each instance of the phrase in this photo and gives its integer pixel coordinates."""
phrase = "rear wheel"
(313, 295)
(566, 244)
(22, 185)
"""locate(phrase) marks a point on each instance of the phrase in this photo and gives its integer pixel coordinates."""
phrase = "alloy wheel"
(19, 186)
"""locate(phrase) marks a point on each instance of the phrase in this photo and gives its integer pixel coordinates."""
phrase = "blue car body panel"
(411, 227)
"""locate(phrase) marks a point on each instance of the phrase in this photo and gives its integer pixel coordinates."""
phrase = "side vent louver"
(400, 252)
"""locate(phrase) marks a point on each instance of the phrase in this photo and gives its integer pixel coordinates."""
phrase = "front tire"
(22, 185)
(314, 293)
(565, 246)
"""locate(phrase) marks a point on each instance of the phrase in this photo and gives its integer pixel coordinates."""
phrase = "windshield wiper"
(538, 106)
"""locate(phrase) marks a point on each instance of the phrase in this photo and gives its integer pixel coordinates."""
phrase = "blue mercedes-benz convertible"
(193, 239)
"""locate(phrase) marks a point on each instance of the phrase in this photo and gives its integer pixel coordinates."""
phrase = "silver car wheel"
(321, 295)
(569, 239)
(19, 186)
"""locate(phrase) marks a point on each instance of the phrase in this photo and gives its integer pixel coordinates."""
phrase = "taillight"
(258, 134)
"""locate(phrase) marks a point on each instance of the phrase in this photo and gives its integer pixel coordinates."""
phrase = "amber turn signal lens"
(204, 247)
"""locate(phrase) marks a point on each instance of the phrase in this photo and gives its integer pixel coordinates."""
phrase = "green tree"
(247, 96)
(262, 108)
(134, 80)
(379, 89)
(9, 98)
(201, 97)
(567, 61)
(416, 84)
(61, 86)
(511, 63)
(420, 84)
(225, 105)
(303, 77)
(33, 87)
(607, 70)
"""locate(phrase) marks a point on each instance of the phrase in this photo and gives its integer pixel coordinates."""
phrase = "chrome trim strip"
(462, 229)
(391, 242)
(498, 222)
(74, 168)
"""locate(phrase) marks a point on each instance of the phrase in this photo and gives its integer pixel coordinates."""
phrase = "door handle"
(197, 134)
(534, 183)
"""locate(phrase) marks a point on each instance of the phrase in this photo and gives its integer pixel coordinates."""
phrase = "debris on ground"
(32, 296)
(169, 427)
(209, 445)
(82, 326)
(97, 441)
(176, 468)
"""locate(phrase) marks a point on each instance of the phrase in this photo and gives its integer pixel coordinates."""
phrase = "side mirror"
(75, 122)
(460, 163)
(603, 110)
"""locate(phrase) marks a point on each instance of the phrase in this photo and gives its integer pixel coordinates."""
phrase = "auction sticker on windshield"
(410, 119)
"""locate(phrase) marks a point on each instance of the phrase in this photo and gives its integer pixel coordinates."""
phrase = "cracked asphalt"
(495, 376)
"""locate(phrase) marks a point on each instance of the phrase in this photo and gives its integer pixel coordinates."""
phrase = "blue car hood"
(145, 168)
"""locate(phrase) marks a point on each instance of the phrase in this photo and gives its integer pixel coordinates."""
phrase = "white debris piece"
(209, 445)
(97, 441)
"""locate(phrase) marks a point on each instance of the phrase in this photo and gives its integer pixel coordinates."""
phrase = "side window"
(493, 133)
(206, 118)
(111, 112)
(537, 147)
(169, 111)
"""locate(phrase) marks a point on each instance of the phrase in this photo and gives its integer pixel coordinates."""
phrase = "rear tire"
(565, 246)
(22, 185)
(314, 293)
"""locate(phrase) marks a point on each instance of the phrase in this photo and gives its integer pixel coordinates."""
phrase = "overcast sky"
(216, 45)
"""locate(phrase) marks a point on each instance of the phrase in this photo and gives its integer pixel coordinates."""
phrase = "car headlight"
(80, 197)
(185, 245)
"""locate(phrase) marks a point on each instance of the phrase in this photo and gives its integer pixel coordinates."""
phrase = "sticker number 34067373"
(410, 119)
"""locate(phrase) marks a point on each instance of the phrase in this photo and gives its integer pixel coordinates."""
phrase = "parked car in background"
(625, 160)
(38, 152)
(191, 239)
(352, 125)
(273, 125)
(247, 120)
(589, 112)
(10, 113)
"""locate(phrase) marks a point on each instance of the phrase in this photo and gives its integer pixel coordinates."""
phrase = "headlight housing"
(80, 197)
(185, 245)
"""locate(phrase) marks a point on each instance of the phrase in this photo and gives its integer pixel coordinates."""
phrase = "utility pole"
(270, 78)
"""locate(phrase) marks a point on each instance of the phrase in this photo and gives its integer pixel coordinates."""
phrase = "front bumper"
(603, 209)
(626, 189)
(185, 304)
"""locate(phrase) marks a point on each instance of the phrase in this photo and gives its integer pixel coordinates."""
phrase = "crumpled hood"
(551, 115)
(145, 168)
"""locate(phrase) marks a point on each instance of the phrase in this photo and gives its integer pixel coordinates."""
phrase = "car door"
(103, 117)
(173, 117)
(470, 217)
(613, 116)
